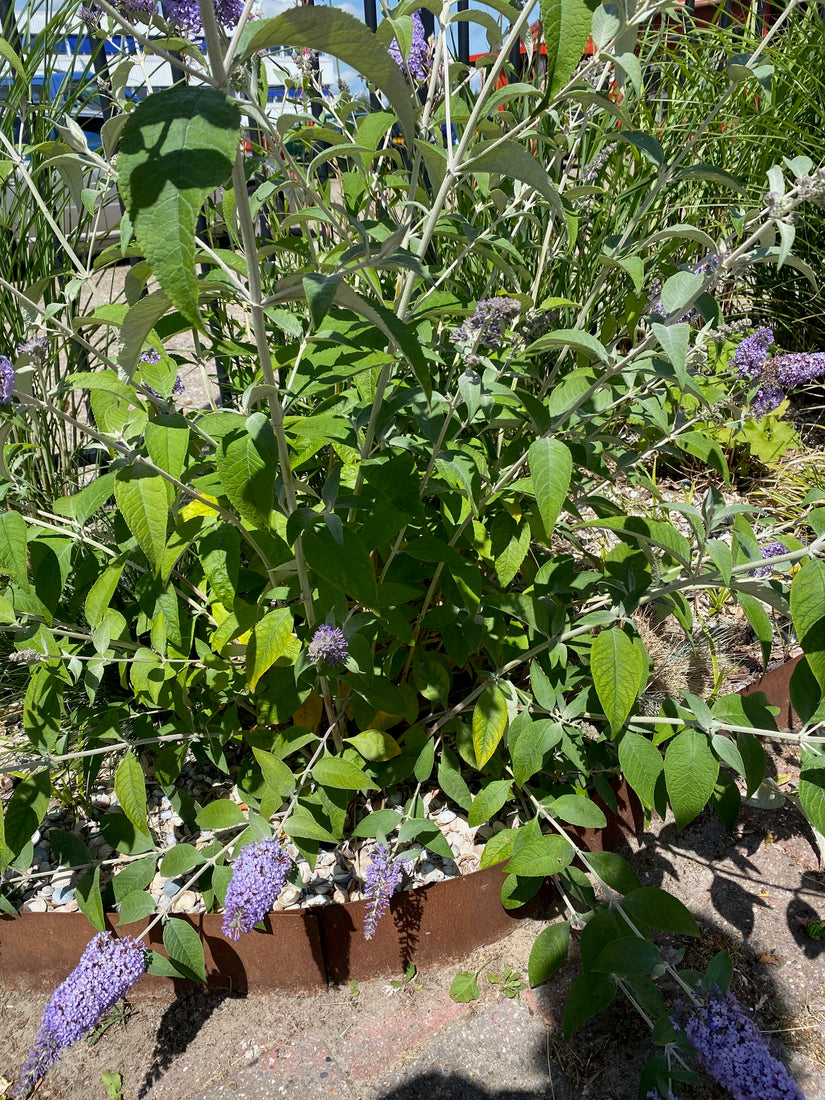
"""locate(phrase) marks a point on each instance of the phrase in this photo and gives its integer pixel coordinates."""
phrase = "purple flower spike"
(228, 11)
(418, 63)
(752, 352)
(258, 877)
(107, 970)
(6, 380)
(185, 15)
(773, 550)
(383, 878)
(328, 646)
(733, 1051)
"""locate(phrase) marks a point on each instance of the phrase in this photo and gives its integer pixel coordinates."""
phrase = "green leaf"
(141, 498)
(549, 953)
(83, 505)
(498, 848)
(691, 771)
(808, 614)
(424, 764)
(179, 860)
(89, 901)
(130, 788)
(278, 778)
(627, 957)
(577, 810)
(346, 566)
(302, 824)
(615, 871)
(247, 467)
(566, 27)
(812, 796)
(513, 160)
(581, 342)
(760, 621)
(641, 764)
(176, 147)
(333, 771)
(489, 723)
(541, 856)
(431, 675)
(69, 849)
(619, 673)
(340, 34)
(680, 290)
(551, 467)
(529, 742)
(184, 948)
(464, 988)
(269, 640)
(134, 876)
(135, 906)
(26, 809)
(589, 995)
(223, 813)
(375, 745)
(451, 781)
(13, 548)
(661, 910)
(43, 709)
(167, 441)
(119, 833)
(488, 802)
(384, 822)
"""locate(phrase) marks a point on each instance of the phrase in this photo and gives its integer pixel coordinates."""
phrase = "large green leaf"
(812, 797)
(43, 708)
(551, 467)
(13, 548)
(489, 723)
(808, 613)
(342, 35)
(176, 147)
(26, 809)
(185, 949)
(333, 771)
(489, 801)
(589, 994)
(619, 671)
(691, 771)
(345, 565)
(641, 764)
(549, 952)
(269, 641)
(566, 27)
(247, 466)
(540, 856)
(141, 498)
(510, 158)
(130, 788)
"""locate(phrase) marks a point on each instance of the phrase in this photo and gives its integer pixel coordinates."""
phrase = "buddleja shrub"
(452, 327)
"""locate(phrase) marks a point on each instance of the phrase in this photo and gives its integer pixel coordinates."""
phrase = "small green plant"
(409, 984)
(509, 982)
(113, 1083)
(464, 987)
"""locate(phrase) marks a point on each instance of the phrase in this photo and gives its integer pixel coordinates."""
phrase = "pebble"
(69, 907)
(433, 876)
(170, 888)
(35, 837)
(289, 895)
(339, 896)
(445, 817)
(321, 887)
(35, 905)
(46, 891)
(185, 902)
(316, 899)
(62, 895)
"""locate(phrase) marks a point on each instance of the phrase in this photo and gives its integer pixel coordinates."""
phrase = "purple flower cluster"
(107, 970)
(383, 879)
(777, 375)
(37, 347)
(258, 877)
(487, 325)
(151, 355)
(734, 1052)
(6, 380)
(417, 64)
(186, 15)
(132, 8)
(773, 550)
(328, 646)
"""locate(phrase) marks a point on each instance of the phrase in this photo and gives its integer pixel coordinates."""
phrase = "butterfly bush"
(383, 879)
(6, 380)
(258, 877)
(776, 375)
(734, 1052)
(773, 550)
(328, 646)
(107, 970)
(417, 64)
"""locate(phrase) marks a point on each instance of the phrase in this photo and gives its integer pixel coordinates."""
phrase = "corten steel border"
(308, 950)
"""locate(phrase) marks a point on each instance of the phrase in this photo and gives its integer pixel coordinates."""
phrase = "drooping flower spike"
(382, 880)
(107, 970)
(258, 877)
